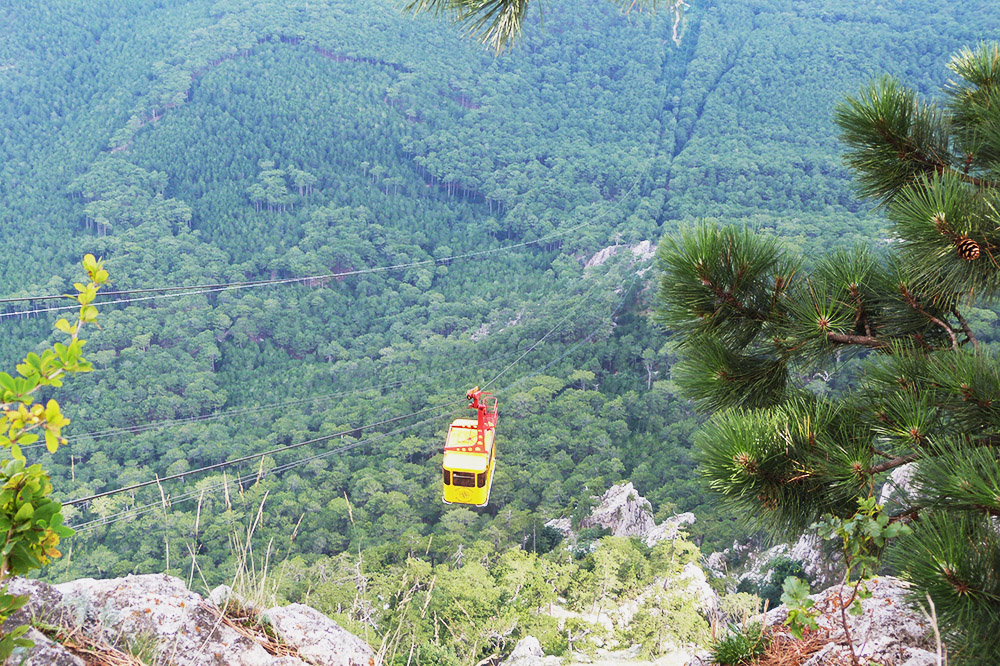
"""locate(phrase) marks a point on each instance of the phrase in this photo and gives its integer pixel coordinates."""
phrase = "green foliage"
(924, 391)
(781, 568)
(31, 521)
(740, 645)
(955, 561)
(665, 620)
(801, 615)
(482, 602)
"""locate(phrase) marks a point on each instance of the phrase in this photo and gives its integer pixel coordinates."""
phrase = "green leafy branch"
(31, 521)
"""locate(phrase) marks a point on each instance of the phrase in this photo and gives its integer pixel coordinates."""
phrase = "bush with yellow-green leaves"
(32, 522)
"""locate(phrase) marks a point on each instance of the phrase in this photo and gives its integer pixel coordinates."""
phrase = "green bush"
(740, 645)
(781, 568)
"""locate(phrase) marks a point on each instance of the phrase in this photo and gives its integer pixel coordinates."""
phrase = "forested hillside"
(191, 142)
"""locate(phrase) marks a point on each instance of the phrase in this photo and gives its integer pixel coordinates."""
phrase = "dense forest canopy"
(192, 142)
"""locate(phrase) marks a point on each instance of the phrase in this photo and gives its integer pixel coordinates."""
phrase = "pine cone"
(968, 249)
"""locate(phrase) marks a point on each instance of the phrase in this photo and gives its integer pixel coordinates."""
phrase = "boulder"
(896, 491)
(162, 608)
(45, 652)
(623, 511)
(889, 631)
(317, 638)
(528, 652)
(186, 630)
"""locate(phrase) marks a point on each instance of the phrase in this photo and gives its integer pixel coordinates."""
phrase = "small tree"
(31, 520)
(752, 321)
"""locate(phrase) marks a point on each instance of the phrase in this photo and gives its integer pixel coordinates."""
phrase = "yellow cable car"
(470, 453)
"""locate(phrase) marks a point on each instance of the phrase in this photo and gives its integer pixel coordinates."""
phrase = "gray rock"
(896, 491)
(528, 652)
(317, 638)
(822, 560)
(561, 525)
(888, 631)
(45, 653)
(186, 630)
(918, 657)
(161, 607)
(623, 511)
(221, 596)
(668, 529)
(697, 586)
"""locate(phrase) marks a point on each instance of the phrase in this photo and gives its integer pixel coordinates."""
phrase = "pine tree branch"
(910, 514)
(728, 297)
(911, 300)
(893, 464)
(907, 150)
(859, 312)
(863, 340)
(970, 336)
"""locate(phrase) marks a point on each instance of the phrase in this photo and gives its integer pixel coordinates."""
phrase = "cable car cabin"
(470, 453)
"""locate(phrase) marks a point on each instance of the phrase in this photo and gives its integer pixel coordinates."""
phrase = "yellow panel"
(465, 462)
(473, 496)
(463, 432)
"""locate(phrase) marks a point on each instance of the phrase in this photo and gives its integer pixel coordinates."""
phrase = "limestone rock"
(717, 564)
(693, 577)
(528, 652)
(318, 638)
(896, 491)
(221, 595)
(918, 657)
(562, 525)
(45, 653)
(822, 560)
(641, 252)
(668, 529)
(888, 631)
(626, 513)
(623, 511)
(186, 630)
(159, 606)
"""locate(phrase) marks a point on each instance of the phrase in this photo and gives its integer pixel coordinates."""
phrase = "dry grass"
(246, 622)
(93, 652)
(785, 650)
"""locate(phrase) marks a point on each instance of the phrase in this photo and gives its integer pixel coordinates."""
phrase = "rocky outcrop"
(889, 631)
(896, 491)
(641, 252)
(623, 511)
(47, 653)
(626, 513)
(528, 652)
(183, 628)
(317, 638)
(821, 561)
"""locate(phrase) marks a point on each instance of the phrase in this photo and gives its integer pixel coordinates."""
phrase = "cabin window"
(464, 479)
(447, 478)
(481, 480)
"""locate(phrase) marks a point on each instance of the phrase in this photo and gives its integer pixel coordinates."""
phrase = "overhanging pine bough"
(752, 324)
